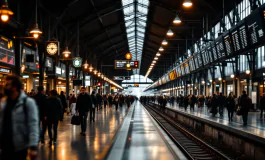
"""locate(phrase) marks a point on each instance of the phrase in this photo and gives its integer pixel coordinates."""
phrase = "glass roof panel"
(135, 11)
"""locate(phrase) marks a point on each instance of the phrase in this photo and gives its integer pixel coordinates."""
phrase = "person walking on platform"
(83, 105)
(222, 102)
(93, 106)
(63, 100)
(186, 102)
(245, 103)
(54, 114)
(41, 100)
(128, 100)
(19, 122)
(230, 106)
(121, 100)
(105, 100)
(172, 100)
(116, 101)
(214, 105)
(110, 99)
(192, 102)
(99, 101)
(262, 105)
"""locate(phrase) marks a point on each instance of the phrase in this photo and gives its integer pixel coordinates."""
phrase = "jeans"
(92, 114)
(230, 114)
(55, 126)
(221, 109)
(44, 125)
(245, 117)
(83, 120)
(10, 155)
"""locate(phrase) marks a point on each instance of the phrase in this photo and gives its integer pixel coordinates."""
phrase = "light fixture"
(128, 65)
(59, 82)
(211, 80)
(263, 63)
(91, 68)
(23, 67)
(203, 82)
(158, 54)
(5, 12)
(219, 78)
(187, 3)
(232, 76)
(161, 49)
(248, 71)
(99, 74)
(177, 20)
(156, 58)
(102, 76)
(164, 42)
(36, 31)
(66, 52)
(86, 65)
(95, 71)
(154, 61)
(170, 32)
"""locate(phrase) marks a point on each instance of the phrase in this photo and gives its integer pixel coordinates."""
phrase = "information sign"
(118, 78)
(228, 44)
(220, 47)
(214, 51)
(126, 64)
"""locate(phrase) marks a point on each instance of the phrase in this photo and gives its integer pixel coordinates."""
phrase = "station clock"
(52, 47)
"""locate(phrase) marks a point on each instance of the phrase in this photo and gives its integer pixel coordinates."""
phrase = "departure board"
(209, 51)
(204, 56)
(187, 68)
(182, 70)
(220, 47)
(255, 26)
(191, 64)
(214, 51)
(243, 34)
(199, 59)
(196, 61)
(228, 43)
(178, 71)
(236, 39)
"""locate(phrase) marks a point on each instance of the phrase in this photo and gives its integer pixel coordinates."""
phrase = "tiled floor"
(72, 146)
(255, 125)
(139, 139)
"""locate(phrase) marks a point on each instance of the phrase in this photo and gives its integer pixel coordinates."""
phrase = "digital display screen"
(191, 64)
(182, 70)
(209, 53)
(220, 47)
(172, 75)
(214, 52)
(204, 56)
(187, 68)
(199, 59)
(228, 43)
(125, 64)
(178, 72)
(196, 62)
(243, 35)
(255, 26)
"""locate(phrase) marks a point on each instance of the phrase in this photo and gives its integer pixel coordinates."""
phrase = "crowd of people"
(215, 103)
(24, 118)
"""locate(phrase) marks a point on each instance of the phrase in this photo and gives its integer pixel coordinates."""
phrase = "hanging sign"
(77, 62)
(52, 47)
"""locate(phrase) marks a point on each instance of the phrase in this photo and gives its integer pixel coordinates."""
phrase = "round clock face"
(52, 48)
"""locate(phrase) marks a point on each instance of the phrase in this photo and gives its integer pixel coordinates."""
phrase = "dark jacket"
(94, 99)
(54, 109)
(262, 103)
(83, 103)
(99, 99)
(41, 100)
(230, 103)
(245, 103)
(221, 100)
(63, 100)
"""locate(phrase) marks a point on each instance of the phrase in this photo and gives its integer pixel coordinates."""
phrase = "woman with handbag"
(230, 106)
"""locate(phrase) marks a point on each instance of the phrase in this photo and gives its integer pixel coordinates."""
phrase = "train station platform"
(72, 146)
(140, 137)
(255, 126)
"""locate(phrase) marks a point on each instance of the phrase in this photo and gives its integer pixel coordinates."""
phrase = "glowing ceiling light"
(187, 3)
(164, 42)
(161, 49)
(156, 58)
(170, 32)
(158, 54)
(177, 20)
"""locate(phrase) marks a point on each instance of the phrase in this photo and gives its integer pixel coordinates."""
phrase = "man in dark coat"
(83, 104)
(92, 109)
(230, 106)
(222, 102)
(41, 100)
(245, 104)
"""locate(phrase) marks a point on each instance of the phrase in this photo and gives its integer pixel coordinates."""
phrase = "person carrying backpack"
(19, 122)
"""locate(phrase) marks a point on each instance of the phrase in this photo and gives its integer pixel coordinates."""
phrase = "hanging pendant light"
(85, 65)
(66, 52)
(164, 42)
(156, 58)
(170, 33)
(158, 54)
(187, 3)
(99, 74)
(95, 71)
(5, 12)
(177, 20)
(36, 32)
(161, 49)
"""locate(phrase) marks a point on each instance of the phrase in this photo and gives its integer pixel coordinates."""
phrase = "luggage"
(239, 111)
(75, 119)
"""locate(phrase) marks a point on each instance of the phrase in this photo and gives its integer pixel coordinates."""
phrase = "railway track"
(193, 147)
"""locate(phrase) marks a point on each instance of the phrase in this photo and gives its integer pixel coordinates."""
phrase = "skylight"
(135, 15)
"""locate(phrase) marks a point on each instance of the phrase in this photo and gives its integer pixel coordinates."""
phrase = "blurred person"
(116, 101)
(128, 101)
(262, 105)
(92, 109)
(230, 106)
(99, 101)
(19, 122)
(83, 105)
(41, 100)
(54, 115)
(214, 105)
(110, 99)
(245, 103)
(63, 100)
(105, 100)
(193, 100)
(222, 102)
(121, 100)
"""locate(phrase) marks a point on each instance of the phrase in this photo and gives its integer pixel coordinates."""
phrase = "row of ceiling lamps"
(170, 33)
(100, 75)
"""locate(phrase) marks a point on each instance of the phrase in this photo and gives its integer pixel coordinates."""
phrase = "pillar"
(67, 70)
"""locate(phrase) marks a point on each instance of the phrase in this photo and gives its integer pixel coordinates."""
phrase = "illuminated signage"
(4, 70)
(77, 62)
(58, 70)
(125, 64)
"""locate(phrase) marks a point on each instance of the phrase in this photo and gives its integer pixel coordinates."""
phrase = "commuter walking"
(93, 108)
(192, 102)
(41, 100)
(214, 105)
(262, 105)
(116, 101)
(110, 99)
(54, 115)
(121, 100)
(245, 104)
(105, 100)
(230, 106)
(19, 122)
(99, 101)
(63, 100)
(222, 102)
(83, 104)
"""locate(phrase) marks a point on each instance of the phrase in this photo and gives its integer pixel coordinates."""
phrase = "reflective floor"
(139, 139)
(255, 125)
(72, 146)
